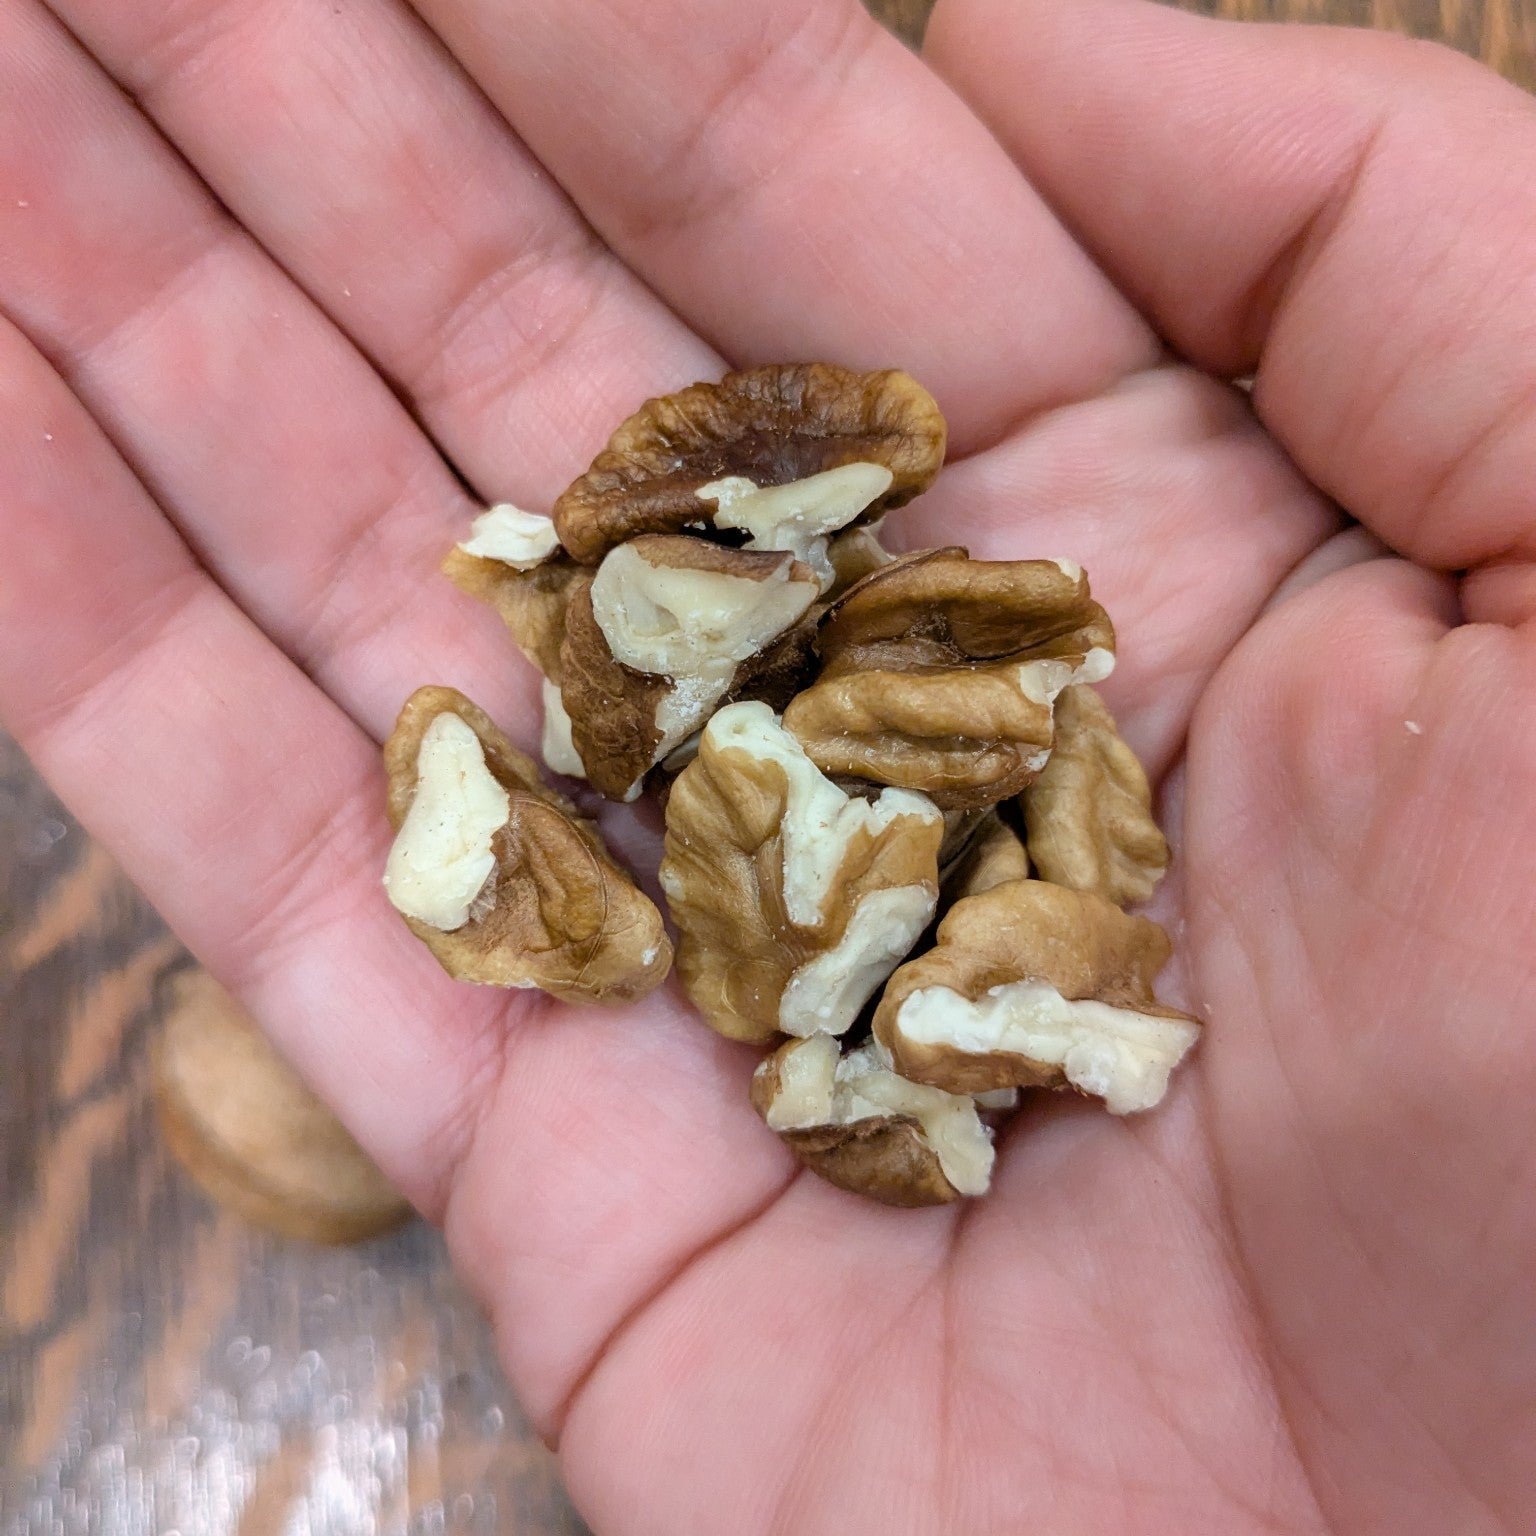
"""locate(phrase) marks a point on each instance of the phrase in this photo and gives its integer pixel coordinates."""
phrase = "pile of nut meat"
(902, 829)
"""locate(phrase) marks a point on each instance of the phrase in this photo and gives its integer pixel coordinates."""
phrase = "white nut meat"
(859, 1125)
(688, 621)
(559, 751)
(670, 625)
(800, 515)
(498, 875)
(1033, 985)
(442, 856)
(794, 899)
(514, 537)
(1115, 1054)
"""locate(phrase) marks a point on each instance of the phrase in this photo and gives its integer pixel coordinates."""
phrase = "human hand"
(1296, 1298)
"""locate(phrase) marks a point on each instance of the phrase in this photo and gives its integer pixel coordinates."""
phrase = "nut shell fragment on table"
(498, 875)
(793, 899)
(860, 1127)
(770, 426)
(940, 673)
(1034, 985)
(1089, 813)
(251, 1134)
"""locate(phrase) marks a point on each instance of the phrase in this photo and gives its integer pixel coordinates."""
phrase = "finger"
(798, 185)
(1180, 507)
(288, 464)
(235, 793)
(580, 1157)
(355, 149)
(1348, 216)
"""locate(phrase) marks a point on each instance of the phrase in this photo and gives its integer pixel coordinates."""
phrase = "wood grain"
(164, 1368)
(1502, 33)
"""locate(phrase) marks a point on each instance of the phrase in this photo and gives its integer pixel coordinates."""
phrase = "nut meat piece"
(1089, 814)
(497, 874)
(941, 672)
(769, 426)
(511, 536)
(801, 516)
(532, 601)
(1034, 985)
(657, 641)
(863, 1128)
(994, 856)
(794, 900)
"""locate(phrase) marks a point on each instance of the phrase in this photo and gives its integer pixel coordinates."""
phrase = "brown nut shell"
(565, 917)
(1089, 813)
(239, 1120)
(772, 425)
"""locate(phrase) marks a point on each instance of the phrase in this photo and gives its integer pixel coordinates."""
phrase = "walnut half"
(940, 673)
(716, 455)
(1089, 814)
(861, 1127)
(793, 899)
(497, 874)
(657, 640)
(1034, 985)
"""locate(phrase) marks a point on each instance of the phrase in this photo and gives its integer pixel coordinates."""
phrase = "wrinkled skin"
(1297, 1298)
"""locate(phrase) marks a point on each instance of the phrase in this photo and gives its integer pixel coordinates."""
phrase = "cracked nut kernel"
(766, 426)
(941, 672)
(497, 874)
(854, 554)
(532, 602)
(1089, 814)
(516, 538)
(994, 856)
(800, 516)
(658, 641)
(1035, 985)
(861, 1127)
(794, 900)
(556, 745)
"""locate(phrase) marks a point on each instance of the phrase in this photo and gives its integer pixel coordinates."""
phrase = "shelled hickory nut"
(863, 1128)
(852, 746)
(793, 899)
(1033, 985)
(939, 673)
(498, 875)
(712, 519)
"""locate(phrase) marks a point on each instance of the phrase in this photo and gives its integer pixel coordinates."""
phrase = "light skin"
(1298, 1297)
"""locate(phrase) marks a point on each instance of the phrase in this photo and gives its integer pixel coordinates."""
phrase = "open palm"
(1299, 1296)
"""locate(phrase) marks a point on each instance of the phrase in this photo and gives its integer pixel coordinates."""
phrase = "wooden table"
(164, 1368)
